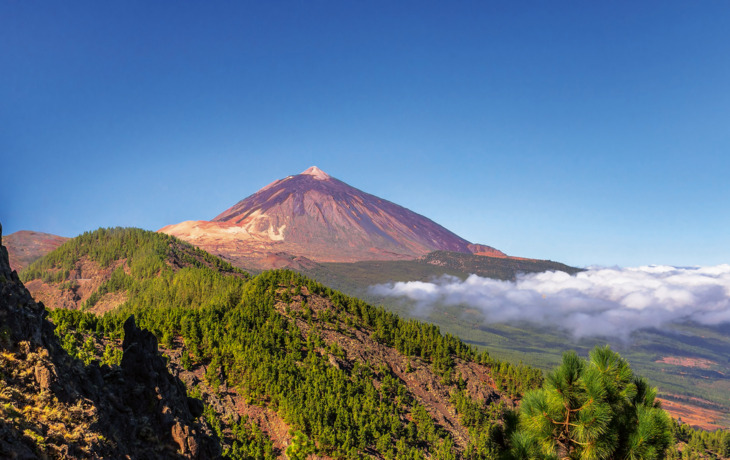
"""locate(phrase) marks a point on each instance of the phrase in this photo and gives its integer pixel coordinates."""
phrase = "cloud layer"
(603, 302)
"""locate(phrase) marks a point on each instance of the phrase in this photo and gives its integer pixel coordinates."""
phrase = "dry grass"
(43, 420)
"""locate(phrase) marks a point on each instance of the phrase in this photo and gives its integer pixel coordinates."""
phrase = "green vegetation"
(249, 442)
(247, 333)
(541, 346)
(252, 346)
(234, 326)
(145, 254)
(593, 410)
(493, 267)
(300, 448)
(79, 333)
(699, 444)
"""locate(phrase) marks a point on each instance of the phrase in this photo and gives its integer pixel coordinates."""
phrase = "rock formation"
(53, 406)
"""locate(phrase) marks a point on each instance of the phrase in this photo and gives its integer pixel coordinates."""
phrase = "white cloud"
(606, 302)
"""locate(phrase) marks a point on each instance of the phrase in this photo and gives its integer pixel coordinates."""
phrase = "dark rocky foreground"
(52, 406)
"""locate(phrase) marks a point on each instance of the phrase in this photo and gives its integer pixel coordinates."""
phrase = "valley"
(688, 363)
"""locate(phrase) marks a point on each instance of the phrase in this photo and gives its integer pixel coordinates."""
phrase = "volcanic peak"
(316, 173)
(319, 217)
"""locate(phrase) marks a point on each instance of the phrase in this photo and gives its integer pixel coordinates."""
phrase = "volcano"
(317, 217)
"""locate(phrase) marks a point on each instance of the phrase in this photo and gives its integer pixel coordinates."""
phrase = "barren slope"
(25, 246)
(316, 216)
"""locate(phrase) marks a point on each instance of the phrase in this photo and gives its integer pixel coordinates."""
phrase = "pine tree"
(300, 448)
(593, 410)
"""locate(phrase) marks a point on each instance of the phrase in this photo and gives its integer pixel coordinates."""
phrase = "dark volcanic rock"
(137, 411)
(148, 379)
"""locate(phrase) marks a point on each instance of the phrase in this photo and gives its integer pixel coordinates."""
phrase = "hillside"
(500, 268)
(689, 362)
(90, 270)
(318, 217)
(54, 406)
(283, 363)
(355, 278)
(24, 247)
(280, 353)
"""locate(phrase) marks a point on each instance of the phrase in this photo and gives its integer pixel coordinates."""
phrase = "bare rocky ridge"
(316, 216)
(55, 407)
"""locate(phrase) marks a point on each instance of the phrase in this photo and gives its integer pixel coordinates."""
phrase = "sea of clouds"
(598, 302)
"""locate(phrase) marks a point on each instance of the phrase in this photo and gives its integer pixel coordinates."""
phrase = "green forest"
(266, 336)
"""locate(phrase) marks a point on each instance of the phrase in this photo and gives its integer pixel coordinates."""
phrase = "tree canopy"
(594, 409)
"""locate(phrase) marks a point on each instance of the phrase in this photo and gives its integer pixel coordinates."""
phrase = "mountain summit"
(316, 216)
(316, 173)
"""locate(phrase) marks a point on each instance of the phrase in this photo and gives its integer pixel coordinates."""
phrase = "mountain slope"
(55, 407)
(316, 216)
(24, 247)
(279, 353)
(89, 271)
(356, 278)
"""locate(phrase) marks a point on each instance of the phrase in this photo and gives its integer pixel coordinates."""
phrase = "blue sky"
(584, 132)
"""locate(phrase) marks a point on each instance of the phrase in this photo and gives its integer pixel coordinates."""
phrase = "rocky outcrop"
(21, 318)
(55, 407)
(157, 395)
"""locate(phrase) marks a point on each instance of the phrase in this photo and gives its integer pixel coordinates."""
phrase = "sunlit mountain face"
(318, 217)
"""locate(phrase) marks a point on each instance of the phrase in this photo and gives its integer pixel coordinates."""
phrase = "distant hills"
(26, 246)
(317, 217)
(354, 278)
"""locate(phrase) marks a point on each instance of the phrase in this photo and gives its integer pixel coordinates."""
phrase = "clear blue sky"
(584, 132)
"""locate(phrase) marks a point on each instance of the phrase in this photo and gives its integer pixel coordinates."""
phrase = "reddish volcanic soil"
(696, 412)
(25, 246)
(84, 280)
(683, 361)
(692, 414)
(320, 218)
